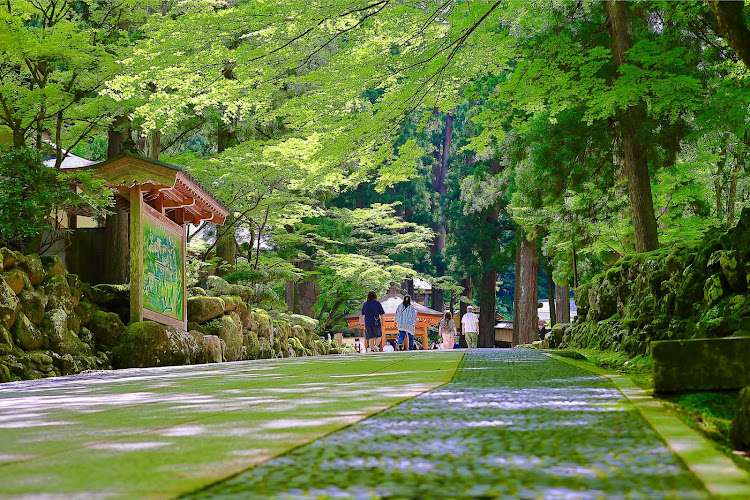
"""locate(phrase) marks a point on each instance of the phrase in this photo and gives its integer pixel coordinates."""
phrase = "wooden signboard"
(164, 293)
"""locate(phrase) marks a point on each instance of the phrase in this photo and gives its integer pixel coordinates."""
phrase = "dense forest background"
(485, 146)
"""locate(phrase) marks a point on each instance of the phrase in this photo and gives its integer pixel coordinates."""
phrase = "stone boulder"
(739, 432)
(146, 343)
(59, 294)
(203, 309)
(9, 305)
(26, 335)
(210, 348)
(85, 310)
(33, 304)
(229, 329)
(8, 257)
(53, 266)
(218, 286)
(32, 265)
(107, 328)
(17, 280)
(61, 340)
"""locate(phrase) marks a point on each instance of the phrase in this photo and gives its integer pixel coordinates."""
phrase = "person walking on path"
(470, 327)
(372, 310)
(406, 321)
(447, 330)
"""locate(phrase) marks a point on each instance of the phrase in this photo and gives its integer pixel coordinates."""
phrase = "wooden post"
(136, 254)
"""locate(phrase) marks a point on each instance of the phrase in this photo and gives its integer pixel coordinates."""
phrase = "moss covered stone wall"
(51, 323)
(690, 290)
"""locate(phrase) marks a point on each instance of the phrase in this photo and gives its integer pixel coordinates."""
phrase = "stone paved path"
(511, 424)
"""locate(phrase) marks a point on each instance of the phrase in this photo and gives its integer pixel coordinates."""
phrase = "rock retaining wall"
(52, 324)
(687, 291)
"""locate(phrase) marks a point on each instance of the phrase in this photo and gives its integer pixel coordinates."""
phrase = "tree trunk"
(117, 247)
(562, 303)
(308, 290)
(525, 326)
(226, 247)
(409, 287)
(117, 231)
(732, 26)
(516, 293)
(487, 298)
(153, 145)
(739, 165)
(117, 133)
(635, 165)
(289, 294)
(551, 294)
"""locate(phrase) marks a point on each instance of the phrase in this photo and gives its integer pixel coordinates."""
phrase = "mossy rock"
(211, 349)
(32, 266)
(53, 266)
(739, 432)
(250, 344)
(714, 290)
(218, 286)
(33, 304)
(230, 302)
(61, 340)
(228, 329)
(111, 296)
(8, 257)
(9, 305)
(26, 335)
(193, 326)
(85, 310)
(203, 309)
(197, 291)
(59, 294)
(17, 280)
(733, 269)
(146, 343)
(582, 299)
(107, 328)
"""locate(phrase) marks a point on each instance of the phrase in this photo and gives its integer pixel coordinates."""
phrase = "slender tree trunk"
(630, 120)
(289, 294)
(739, 164)
(409, 287)
(487, 298)
(226, 247)
(525, 327)
(562, 303)
(517, 292)
(441, 172)
(466, 283)
(551, 294)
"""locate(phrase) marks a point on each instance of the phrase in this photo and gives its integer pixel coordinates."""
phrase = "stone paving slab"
(512, 424)
(161, 432)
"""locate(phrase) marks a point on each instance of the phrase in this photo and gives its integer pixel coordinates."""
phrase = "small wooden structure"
(390, 301)
(162, 200)
(504, 332)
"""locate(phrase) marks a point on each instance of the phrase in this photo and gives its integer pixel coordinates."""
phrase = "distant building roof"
(420, 284)
(70, 162)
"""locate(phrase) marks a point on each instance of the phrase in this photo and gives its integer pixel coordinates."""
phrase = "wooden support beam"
(136, 254)
(159, 203)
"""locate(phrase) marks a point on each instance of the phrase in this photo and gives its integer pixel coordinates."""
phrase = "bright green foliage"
(30, 193)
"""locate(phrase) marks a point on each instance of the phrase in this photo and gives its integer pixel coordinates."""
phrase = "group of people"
(405, 321)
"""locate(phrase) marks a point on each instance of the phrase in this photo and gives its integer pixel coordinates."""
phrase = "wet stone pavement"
(511, 424)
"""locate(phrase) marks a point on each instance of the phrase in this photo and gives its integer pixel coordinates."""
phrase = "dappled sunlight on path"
(511, 424)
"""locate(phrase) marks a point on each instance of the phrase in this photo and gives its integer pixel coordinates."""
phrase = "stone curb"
(718, 473)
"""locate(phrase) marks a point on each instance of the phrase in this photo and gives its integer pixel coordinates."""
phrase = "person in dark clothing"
(542, 329)
(372, 310)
